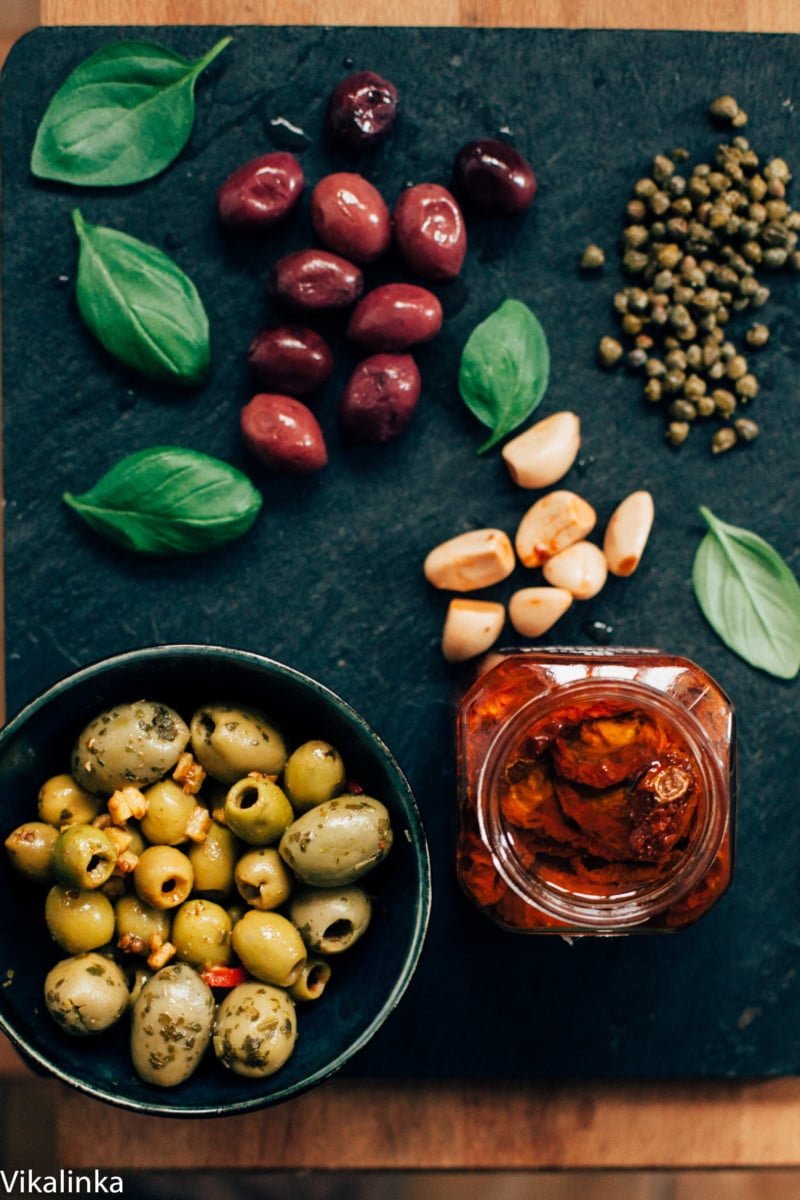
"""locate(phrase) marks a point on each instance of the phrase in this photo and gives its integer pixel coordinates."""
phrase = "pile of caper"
(169, 850)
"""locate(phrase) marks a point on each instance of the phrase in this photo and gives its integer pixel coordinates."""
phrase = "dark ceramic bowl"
(367, 981)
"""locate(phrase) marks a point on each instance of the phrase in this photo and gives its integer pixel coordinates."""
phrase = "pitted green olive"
(171, 1025)
(262, 879)
(314, 773)
(129, 744)
(255, 1030)
(169, 808)
(257, 811)
(331, 920)
(138, 922)
(201, 934)
(163, 877)
(86, 994)
(30, 849)
(83, 857)
(230, 742)
(78, 920)
(63, 802)
(214, 861)
(269, 947)
(312, 981)
(337, 842)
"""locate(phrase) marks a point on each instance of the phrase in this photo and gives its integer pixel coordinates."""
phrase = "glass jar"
(596, 791)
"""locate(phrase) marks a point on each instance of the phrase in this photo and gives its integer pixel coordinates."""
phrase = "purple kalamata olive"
(361, 110)
(350, 216)
(290, 360)
(430, 231)
(316, 279)
(380, 397)
(394, 317)
(492, 177)
(284, 434)
(260, 192)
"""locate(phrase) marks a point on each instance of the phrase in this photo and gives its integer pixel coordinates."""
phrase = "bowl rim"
(422, 899)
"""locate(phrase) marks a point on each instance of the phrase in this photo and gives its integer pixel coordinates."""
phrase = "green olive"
(269, 947)
(78, 920)
(213, 861)
(138, 980)
(331, 920)
(312, 981)
(262, 879)
(171, 1025)
(129, 744)
(84, 857)
(138, 922)
(230, 742)
(30, 849)
(63, 802)
(163, 877)
(169, 808)
(257, 811)
(313, 774)
(86, 994)
(137, 843)
(201, 934)
(255, 1030)
(337, 842)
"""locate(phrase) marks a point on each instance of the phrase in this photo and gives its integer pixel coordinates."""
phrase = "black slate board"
(330, 580)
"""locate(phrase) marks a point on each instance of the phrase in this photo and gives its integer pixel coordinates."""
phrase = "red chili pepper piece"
(224, 977)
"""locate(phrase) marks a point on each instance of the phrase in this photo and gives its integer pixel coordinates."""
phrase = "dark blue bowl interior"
(366, 982)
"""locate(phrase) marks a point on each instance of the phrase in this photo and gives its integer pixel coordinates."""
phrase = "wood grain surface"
(446, 1125)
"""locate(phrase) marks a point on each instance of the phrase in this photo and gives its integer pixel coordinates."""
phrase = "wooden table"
(446, 1125)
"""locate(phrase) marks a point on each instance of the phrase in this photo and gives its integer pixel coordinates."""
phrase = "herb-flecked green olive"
(312, 981)
(30, 849)
(269, 947)
(230, 742)
(201, 934)
(169, 808)
(83, 857)
(138, 922)
(63, 802)
(258, 811)
(314, 773)
(262, 879)
(163, 877)
(214, 861)
(129, 744)
(171, 1025)
(255, 1030)
(337, 842)
(78, 920)
(331, 920)
(86, 994)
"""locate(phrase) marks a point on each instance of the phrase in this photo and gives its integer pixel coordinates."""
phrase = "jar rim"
(642, 901)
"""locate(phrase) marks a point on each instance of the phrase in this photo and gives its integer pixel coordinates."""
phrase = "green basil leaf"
(122, 116)
(505, 368)
(167, 500)
(749, 596)
(139, 304)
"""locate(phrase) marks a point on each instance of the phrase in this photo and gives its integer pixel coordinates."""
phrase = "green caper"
(77, 919)
(169, 808)
(30, 849)
(258, 811)
(138, 922)
(230, 742)
(262, 879)
(314, 773)
(255, 1030)
(331, 920)
(163, 877)
(312, 981)
(269, 947)
(201, 934)
(83, 857)
(213, 861)
(86, 994)
(63, 802)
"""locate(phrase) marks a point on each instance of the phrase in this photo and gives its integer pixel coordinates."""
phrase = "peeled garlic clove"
(627, 533)
(551, 524)
(472, 560)
(534, 610)
(544, 453)
(580, 569)
(470, 628)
